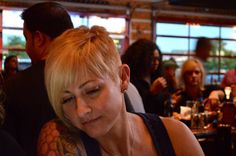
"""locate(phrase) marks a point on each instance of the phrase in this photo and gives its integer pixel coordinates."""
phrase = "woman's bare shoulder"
(182, 138)
(171, 122)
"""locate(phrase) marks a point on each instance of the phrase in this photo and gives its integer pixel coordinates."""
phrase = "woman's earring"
(123, 90)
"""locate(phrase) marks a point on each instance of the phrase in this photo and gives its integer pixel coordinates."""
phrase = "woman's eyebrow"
(86, 82)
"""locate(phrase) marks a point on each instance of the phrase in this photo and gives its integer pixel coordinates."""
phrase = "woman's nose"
(82, 108)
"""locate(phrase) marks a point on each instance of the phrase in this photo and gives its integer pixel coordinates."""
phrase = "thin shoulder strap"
(91, 145)
(159, 134)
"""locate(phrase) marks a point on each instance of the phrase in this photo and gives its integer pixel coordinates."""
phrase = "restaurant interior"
(174, 25)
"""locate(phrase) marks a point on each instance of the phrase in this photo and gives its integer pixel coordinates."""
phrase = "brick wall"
(141, 24)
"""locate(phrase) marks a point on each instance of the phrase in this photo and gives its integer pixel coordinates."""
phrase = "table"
(209, 132)
(217, 141)
(204, 133)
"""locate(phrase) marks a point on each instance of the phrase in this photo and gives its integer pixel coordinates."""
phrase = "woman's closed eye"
(93, 91)
(67, 100)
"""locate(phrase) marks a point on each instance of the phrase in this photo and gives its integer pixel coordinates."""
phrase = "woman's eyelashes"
(93, 91)
(68, 99)
(86, 92)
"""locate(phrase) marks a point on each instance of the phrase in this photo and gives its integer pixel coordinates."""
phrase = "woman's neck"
(119, 141)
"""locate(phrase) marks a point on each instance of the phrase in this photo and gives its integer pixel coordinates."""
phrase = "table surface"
(209, 132)
(204, 133)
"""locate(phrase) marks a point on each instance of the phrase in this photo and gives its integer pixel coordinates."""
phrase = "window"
(178, 40)
(117, 30)
(12, 37)
(14, 41)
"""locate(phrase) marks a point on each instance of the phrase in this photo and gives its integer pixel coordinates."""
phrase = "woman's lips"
(91, 121)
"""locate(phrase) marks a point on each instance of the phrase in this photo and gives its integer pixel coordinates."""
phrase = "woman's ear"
(125, 77)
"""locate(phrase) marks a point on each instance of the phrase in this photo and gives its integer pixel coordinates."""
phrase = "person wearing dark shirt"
(27, 104)
(145, 59)
(203, 49)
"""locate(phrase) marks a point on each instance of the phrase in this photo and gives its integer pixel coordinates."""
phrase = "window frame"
(120, 39)
(219, 73)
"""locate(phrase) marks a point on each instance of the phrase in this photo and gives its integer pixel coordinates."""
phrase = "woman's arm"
(158, 85)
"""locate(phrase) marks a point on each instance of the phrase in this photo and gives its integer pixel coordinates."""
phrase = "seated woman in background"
(86, 81)
(145, 60)
(192, 84)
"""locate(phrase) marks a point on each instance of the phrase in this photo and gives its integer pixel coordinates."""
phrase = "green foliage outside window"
(15, 46)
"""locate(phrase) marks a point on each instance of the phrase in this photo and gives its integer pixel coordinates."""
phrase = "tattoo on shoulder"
(56, 140)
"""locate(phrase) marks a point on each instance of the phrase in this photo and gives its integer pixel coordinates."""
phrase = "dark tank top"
(156, 128)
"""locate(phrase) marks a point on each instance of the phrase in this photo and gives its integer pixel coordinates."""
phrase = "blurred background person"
(203, 49)
(27, 105)
(169, 73)
(10, 66)
(229, 78)
(191, 84)
(145, 60)
(192, 87)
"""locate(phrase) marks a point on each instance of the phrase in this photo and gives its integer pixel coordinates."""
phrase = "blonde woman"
(192, 84)
(86, 81)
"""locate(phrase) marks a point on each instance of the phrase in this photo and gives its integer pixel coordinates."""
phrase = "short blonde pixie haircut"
(75, 54)
(185, 68)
